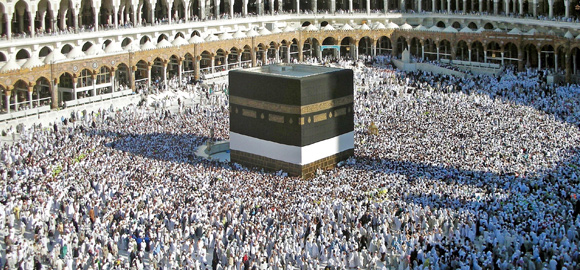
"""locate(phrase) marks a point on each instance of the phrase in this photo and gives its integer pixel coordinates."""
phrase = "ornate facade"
(52, 50)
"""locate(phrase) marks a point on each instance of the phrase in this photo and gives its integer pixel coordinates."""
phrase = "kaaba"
(291, 117)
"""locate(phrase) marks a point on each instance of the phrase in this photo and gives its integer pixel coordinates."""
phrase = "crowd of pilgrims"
(465, 173)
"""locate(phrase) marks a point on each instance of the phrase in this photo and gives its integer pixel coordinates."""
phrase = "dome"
(435, 28)
(164, 44)
(196, 39)
(114, 47)
(450, 29)
(211, 37)
(532, 32)
(311, 27)
(406, 26)
(76, 52)
(252, 33)
(276, 30)
(54, 56)
(179, 41)
(515, 31)
(568, 35)
(133, 46)
(148, 46)
(95, 50)
(328, 27)
(225, 35)
(239, 34)
(392, 25)
(289, 28)
(421, 28)
(347, 27)
(264, 32)
(10, 66)
(466, 30)
(365, 27)
(33, 62)
(379, 25)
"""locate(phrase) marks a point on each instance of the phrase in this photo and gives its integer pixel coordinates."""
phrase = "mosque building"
(77, 51)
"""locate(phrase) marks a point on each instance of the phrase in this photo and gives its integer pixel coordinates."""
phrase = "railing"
(24, 113)
(470, 64)
(98, 98)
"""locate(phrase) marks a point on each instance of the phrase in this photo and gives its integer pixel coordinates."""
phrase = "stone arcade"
(295, 118)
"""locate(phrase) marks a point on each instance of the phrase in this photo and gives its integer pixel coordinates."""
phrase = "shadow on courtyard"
(162, 147)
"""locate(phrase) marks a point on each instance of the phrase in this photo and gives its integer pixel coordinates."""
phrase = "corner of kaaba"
(291, 117)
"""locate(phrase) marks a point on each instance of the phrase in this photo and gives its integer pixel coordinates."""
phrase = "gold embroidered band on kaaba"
(291, 109)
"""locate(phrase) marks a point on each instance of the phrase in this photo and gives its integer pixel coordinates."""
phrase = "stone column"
(567, 7)
(54, 94)
(217, 8)
(288, 54)
(555, 62)
(74, 89)
(15, 100)
(521, 2)
(437, 53)
(350, 6)
(297, 6)
(116, 18)
(149, 75)
(520, 60)
(30, 90)
(94, 91)
(8, 94)
(551, 8)
(314, 6)
(502, 59)
(253, 55)
(245, 8)
(76, 17)
(419, 7)
(469, 56)
(96, 19)
(448, 6)
(280, 5)
(374, 49)
(277, 57)
(42, 15)
(32, 14)
(464, 6)
(484, 55)
(332, 6)
(179, 67)
(368, 6)
(226, 61)
(196, 68)
(423, 51)
(495, 7)
(272, 7)
(507, 7)
(480, 8)
(300, 51)
(114, 83)
(9, 25)
(165, 74)
(539, 59)
(535, 8)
